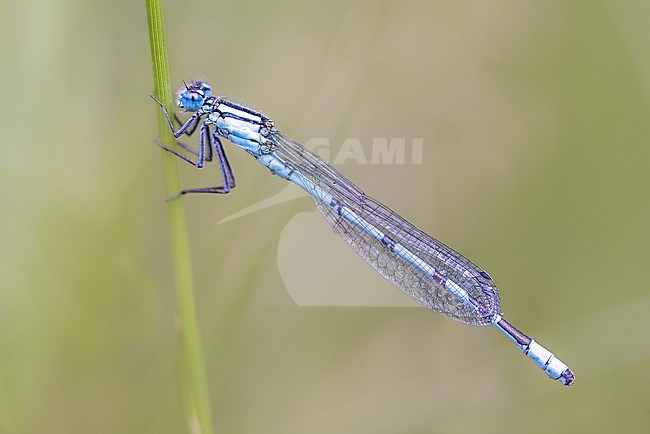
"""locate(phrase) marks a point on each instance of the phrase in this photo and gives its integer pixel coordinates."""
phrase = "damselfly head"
(192, 95)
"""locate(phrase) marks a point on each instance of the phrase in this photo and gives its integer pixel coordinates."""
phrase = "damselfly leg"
(177, 133)
(190, 130)
(204, 153)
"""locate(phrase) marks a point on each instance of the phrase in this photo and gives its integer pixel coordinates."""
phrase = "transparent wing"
(425, 289)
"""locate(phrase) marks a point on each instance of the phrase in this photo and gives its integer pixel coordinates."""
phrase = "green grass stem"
(193, 377)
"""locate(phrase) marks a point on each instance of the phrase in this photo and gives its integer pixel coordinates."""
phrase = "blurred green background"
(534, 117)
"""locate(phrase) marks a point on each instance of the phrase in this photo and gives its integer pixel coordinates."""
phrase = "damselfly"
(422, 267)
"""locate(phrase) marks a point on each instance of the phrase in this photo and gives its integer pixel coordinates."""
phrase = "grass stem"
(193, 377)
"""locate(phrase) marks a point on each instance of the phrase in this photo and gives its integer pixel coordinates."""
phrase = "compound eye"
(190, 99)
(205, 88)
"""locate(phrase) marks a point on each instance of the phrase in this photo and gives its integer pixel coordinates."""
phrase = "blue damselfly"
(422, 267)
